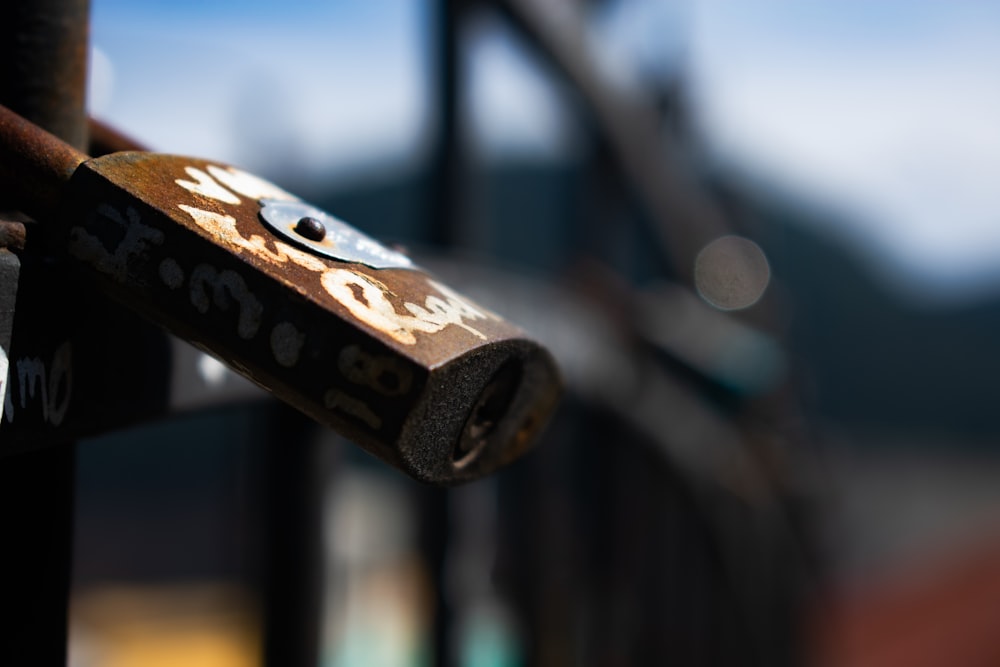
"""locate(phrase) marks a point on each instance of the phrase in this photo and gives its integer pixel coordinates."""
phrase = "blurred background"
(761, 238)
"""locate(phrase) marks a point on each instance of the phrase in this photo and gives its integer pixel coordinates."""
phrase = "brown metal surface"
(43, 48)
(34, 165)
(407, 368)
(12, 233)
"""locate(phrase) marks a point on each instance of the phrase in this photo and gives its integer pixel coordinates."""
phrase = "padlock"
(351, 332)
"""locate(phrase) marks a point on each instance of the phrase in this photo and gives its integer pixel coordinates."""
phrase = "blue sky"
(330, 83)
(885, 112)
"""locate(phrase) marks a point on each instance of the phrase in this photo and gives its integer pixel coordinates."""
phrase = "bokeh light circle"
(731, 273)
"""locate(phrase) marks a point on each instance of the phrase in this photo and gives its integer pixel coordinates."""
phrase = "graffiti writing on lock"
(32, 383)
(133, 242)
(364, 297)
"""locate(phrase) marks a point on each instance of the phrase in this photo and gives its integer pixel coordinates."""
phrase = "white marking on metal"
(52, 386)
(224, 226)
(226, 286)
(61, 373)
(286, 343)
(375, 310)
(362, 295)
(206, 186)
(334, 399)
(8, 402)
(171, 273)
(4, 365)
(138, 237)
(247, 184)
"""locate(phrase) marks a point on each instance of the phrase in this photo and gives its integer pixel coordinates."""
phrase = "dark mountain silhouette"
(874, 360)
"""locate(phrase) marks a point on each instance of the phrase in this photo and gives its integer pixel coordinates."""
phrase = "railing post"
(43, 65)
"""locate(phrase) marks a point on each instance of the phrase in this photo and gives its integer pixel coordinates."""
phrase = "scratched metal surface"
(34, 165)
(393, 359)
(79, 363)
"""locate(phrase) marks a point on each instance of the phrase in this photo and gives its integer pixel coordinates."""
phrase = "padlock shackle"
(34, 165)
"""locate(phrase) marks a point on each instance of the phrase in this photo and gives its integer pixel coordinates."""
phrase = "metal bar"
(434, 540)
(296, 469)
(34, 164)
(444, 231)
(685, 220)
(43, 48)
(443, 228)
(36, 510)
(43, 65)
(10, 272)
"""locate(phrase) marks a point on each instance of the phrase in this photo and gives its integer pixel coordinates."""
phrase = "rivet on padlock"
(327, 319)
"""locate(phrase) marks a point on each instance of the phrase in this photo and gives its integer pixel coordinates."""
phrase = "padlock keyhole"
(490, 409)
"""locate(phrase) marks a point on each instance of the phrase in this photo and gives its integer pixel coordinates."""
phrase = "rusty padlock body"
(407, 368)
